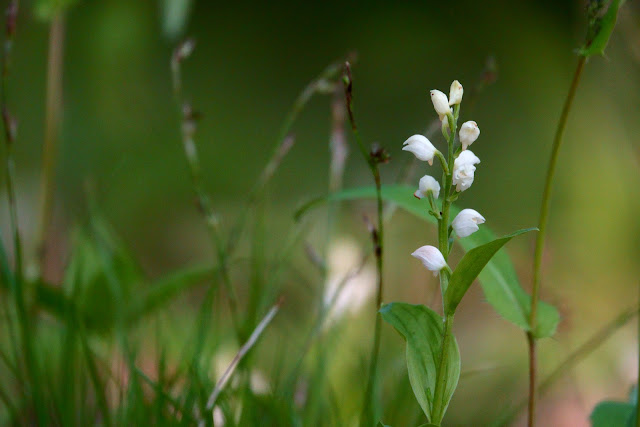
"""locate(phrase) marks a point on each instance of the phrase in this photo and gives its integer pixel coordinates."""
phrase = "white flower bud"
(431, 258)
(469, 132)
(427, 183)
(464, 169)
(466, 222)
(440, 103)
(455, 93)
(421, 147)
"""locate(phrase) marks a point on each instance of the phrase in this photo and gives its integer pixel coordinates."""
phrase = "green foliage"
(101, 275)
(422, 329)
(616, 414)
(470, 266)
(499, 281)
(600, 28)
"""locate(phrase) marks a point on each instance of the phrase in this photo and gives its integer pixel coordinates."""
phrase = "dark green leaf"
(611, 414)
(422, 329)
(499, 281)
(600, 30)
(470, 266)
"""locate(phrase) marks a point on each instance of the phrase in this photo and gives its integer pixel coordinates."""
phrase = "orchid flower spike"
(427, 183)
(464, 169)
(431, 258)
(455, 93)
(469, 132)
(466, 222)
(440, 103)
(421, 147)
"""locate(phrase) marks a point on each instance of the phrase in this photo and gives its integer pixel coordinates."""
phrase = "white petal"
(427, 183)
(440, 102)
(469, 132)
(421, 147)
(464, 170)
(466, 222)
(455, 93)
(430, 257)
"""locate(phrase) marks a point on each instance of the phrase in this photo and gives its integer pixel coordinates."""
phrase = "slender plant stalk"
(443, 243)
(222, 382)
(373, 159)
(544, 216)
(51, 134)
(10, 128)
(25, 323)
(189, 119)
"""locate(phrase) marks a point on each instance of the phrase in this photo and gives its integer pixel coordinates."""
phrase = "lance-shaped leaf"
(499, 281)
(422, 329)
(470, 267)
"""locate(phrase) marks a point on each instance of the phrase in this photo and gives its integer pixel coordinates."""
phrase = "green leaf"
(470, 267)
(611, 414)
(600, 29)
(499, 281)
(422, 329)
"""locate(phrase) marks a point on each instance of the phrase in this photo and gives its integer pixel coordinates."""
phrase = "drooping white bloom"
(421, 147)
(427, 183)
(466, 222)
(464, 169)
(455, 93)
(469, 132)
(440, 103)
(431, 258)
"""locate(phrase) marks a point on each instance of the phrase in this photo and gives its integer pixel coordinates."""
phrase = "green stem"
(439, 406)
(188, 120)
(544, 215)
(373, 367)
(377, 234)
(52, 127)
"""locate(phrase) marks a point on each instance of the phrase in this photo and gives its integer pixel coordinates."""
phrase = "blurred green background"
(120, 133)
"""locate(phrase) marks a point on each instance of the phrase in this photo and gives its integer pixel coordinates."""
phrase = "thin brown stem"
(542, 226)
(531, 340)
